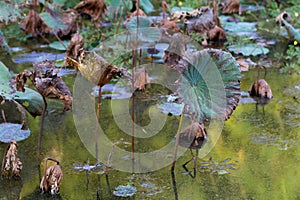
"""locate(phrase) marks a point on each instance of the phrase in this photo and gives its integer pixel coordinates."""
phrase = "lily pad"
(171, 108)
(248, 49)
(58, 46)
(11, 131)
(124, 191)
(30, 99)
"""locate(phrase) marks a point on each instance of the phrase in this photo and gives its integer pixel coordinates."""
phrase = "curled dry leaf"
(34, 24)
(47, 82)
(141, 79)
(52, 178)
(170, 26)
(176, 49)
(244, 66)
(203, 22)
(216, 34)
(232, 6)
(138, 12)
(11, 164)
(75, 46)
(193, 136)
(261, 88)
(94, 8)
(284, 15)
(97, 70)
(69, 18)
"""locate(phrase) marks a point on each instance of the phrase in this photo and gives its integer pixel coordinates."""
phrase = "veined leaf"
(210, 84)
(248, 49)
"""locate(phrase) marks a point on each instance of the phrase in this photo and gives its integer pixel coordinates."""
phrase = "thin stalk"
(97, 121)
(119, 22)
(109, 159)
(41, 128)
(132, 108)
(177, 140)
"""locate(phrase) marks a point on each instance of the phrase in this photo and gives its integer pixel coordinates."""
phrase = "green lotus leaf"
(58, 46)
(210, 84)
(248, 49)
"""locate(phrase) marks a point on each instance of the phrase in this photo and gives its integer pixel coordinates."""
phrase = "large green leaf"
(30, 99)
(210, 84)
(58, 45)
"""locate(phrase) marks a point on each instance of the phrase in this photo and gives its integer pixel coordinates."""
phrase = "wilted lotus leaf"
(232, 6)
(244, 66)
(176, 49)
(52, 178)
(55, 88)
(170, 26)
(200, 88)
(69, 18)
(216, 34)
(97, 70)
(75, 46)
(94, 8)
(284, 15)
(261, 88)
(34, 24)
(11, 164)
(193, 136)
(141, 79)
(203, 22)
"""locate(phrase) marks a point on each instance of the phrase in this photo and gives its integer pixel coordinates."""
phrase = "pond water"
(256, 156)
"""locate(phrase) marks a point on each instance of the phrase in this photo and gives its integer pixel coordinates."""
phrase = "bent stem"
(41, 128)
(177, 140)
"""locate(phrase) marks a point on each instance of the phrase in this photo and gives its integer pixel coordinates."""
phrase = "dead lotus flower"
(11, 164)
(261, 88)
(52, 177)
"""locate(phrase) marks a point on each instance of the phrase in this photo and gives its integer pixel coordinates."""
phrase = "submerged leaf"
(11, 164)
(124, 191)
(11, 131)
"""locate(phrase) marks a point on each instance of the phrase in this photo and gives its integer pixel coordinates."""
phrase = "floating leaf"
(171, 108)
(124, 191)
(248, 49)
(30, 99)
(58, 46)
(11, 131)
(210, 84)
(181, 9)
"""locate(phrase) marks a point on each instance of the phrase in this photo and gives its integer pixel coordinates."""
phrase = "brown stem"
(119, 22)
(3, 116)
(59, 40)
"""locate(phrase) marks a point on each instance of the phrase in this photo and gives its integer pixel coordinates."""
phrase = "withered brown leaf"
(75, 46)
(94, 8)
(52, 177)
(141, 79)
(232, 6)
(193, 135)
(261, 88)
(11, 164)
